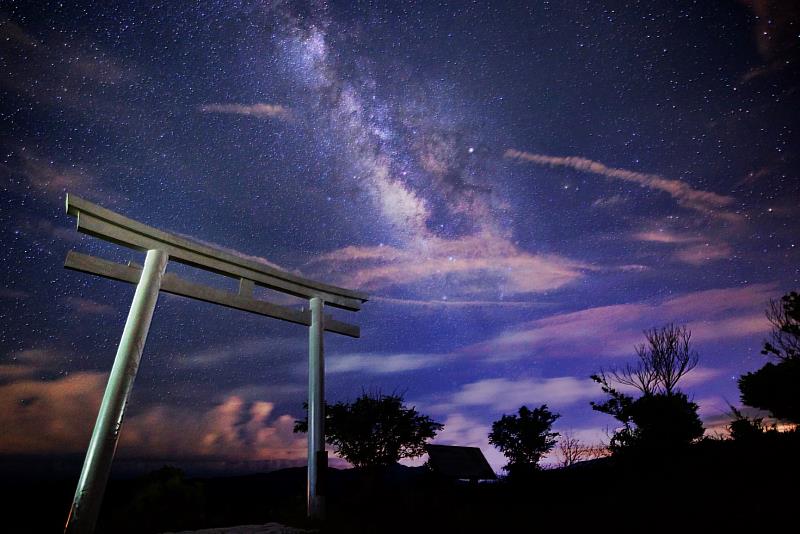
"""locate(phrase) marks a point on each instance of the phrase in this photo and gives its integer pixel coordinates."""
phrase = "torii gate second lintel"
(150, 279)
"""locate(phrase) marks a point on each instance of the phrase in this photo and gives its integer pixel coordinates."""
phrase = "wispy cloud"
(478, 265)
(13, 294)
(376, 363)
(233, 252)
(665, 236)
(89, 306)
(60, 72)
(245, 349)
(46, 227)
(449, 303)
(93, 66)
(608, 202)
(510, 394)
(706, 202)
(694, 249)
(700, 375)
(275, 392)
(275, 111)
(54, 182)
(703, 253)
(40, 359)
(614, 330)
(31, 172)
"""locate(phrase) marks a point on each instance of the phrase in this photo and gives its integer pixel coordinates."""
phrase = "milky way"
(521, 189)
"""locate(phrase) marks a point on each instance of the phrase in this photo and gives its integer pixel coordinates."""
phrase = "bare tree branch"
(663, 361)
(641, 376)
(570, 449)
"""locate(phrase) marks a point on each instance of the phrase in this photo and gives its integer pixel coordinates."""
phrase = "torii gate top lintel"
(108, 225)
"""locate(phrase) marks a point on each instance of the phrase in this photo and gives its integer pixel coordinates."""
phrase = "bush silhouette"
(664, 421)
(163, 500)
(746, 429)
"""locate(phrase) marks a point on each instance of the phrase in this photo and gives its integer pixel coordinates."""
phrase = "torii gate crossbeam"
(150, 279)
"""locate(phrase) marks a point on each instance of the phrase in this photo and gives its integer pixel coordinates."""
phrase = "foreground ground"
(715, 486)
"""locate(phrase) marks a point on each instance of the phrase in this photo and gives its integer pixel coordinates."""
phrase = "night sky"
(521, 189)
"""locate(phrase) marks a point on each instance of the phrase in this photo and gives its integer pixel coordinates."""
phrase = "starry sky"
(521, 188)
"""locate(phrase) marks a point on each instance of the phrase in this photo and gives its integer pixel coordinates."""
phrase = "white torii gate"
(150, 279)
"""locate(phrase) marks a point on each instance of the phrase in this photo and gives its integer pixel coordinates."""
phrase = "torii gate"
(161, 247)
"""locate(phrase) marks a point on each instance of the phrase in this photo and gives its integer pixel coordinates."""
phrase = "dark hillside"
(714, 485)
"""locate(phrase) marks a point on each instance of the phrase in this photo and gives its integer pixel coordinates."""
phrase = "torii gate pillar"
(317, 456)
(100, 454)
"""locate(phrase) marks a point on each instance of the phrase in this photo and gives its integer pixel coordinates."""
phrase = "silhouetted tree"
(375, 430)
(776, 386)
(524, 438)
(618, 406)
(571, 450)
(662, 417)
